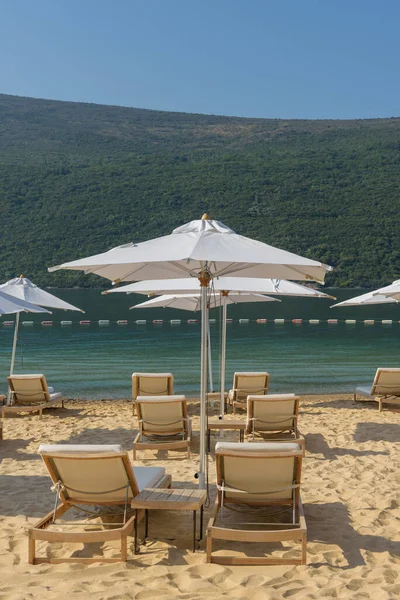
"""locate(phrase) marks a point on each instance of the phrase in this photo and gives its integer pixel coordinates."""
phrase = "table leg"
(136, 532)
(208, 439)
(194, 531)
(146, 525)
(201, 523)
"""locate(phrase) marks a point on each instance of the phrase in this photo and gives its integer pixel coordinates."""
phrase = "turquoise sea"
(95, 361)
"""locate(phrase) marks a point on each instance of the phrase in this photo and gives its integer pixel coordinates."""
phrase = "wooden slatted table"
(225, 424)
(167, 499)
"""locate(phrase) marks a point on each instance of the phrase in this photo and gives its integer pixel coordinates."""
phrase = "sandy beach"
(350, 492)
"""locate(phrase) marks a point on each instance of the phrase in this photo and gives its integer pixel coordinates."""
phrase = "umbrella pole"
(223, 355)
(204, 281)
(14, 349)
(210, 373)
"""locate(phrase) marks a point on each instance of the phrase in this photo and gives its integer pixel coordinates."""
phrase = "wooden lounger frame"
(40, 532)
(298, 532)
(293, 430)
(381, 398)
(237, 396)
(184, 428)
(37, 405)
(137, 390)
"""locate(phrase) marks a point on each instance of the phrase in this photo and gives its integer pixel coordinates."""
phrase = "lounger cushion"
(148, 476)
(158, 399)
(152, 375)
(364, 390)
(262, 447)
(84, 448)
(270, 397)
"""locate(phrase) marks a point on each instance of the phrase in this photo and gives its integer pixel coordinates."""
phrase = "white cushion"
(84, 448)
(259, 447)
(157, 399)
(28, 376)
(267, 397)
(56, 396)
(364, 390)
(147, 477)
(251, 373)
(51, 389)
(152, 375)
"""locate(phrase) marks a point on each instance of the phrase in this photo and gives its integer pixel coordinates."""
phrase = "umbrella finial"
(21, 277)
(205, 217)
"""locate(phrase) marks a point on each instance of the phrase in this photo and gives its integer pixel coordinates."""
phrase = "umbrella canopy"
(385, 295)
(192, 302)
(10, 305)
(204, 249)
(239, 285)
(23, 288)
(277, 287)
(193, 248)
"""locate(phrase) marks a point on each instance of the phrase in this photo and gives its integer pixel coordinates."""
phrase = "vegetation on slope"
(77, 179)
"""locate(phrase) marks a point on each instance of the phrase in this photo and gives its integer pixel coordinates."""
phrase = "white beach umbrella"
(225, 286)
(192, 303)
(253, 285)
(386, 295)
(23, 289)
(204, 249)
(10, 305)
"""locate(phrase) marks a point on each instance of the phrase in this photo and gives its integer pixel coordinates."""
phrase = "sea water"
(97, 360)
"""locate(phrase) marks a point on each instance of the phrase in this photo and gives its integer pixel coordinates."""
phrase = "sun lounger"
(385, 387)
(273, 415)
(151, 384)
(30, 394)
(245, 384)
(97, 475)
(163, 424)
(264, 476)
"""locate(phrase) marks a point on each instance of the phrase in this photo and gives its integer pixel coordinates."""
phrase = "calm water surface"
(97, 361)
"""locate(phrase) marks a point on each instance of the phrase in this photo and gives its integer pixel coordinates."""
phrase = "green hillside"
(77, 179)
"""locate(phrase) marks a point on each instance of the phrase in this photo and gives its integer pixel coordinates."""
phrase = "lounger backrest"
(274, 412)
(386, 382)
(250, 383)
(91, 474)
(27, 389)
(266, 472)
(152, 384)
(162, 415)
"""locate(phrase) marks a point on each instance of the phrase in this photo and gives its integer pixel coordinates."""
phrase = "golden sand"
(351, 482)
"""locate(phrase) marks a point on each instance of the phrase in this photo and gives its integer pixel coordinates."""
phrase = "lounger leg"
(31, 550)
(40, 414)
(304, 550)
(124, 548)
(209, 542)
(134, 453)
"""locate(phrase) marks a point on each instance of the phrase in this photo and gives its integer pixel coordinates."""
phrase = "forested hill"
(77, 179)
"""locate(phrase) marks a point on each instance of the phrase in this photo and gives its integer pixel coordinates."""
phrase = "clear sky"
(253, 58)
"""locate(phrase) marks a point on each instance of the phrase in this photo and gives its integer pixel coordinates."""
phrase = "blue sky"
(256, 58)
